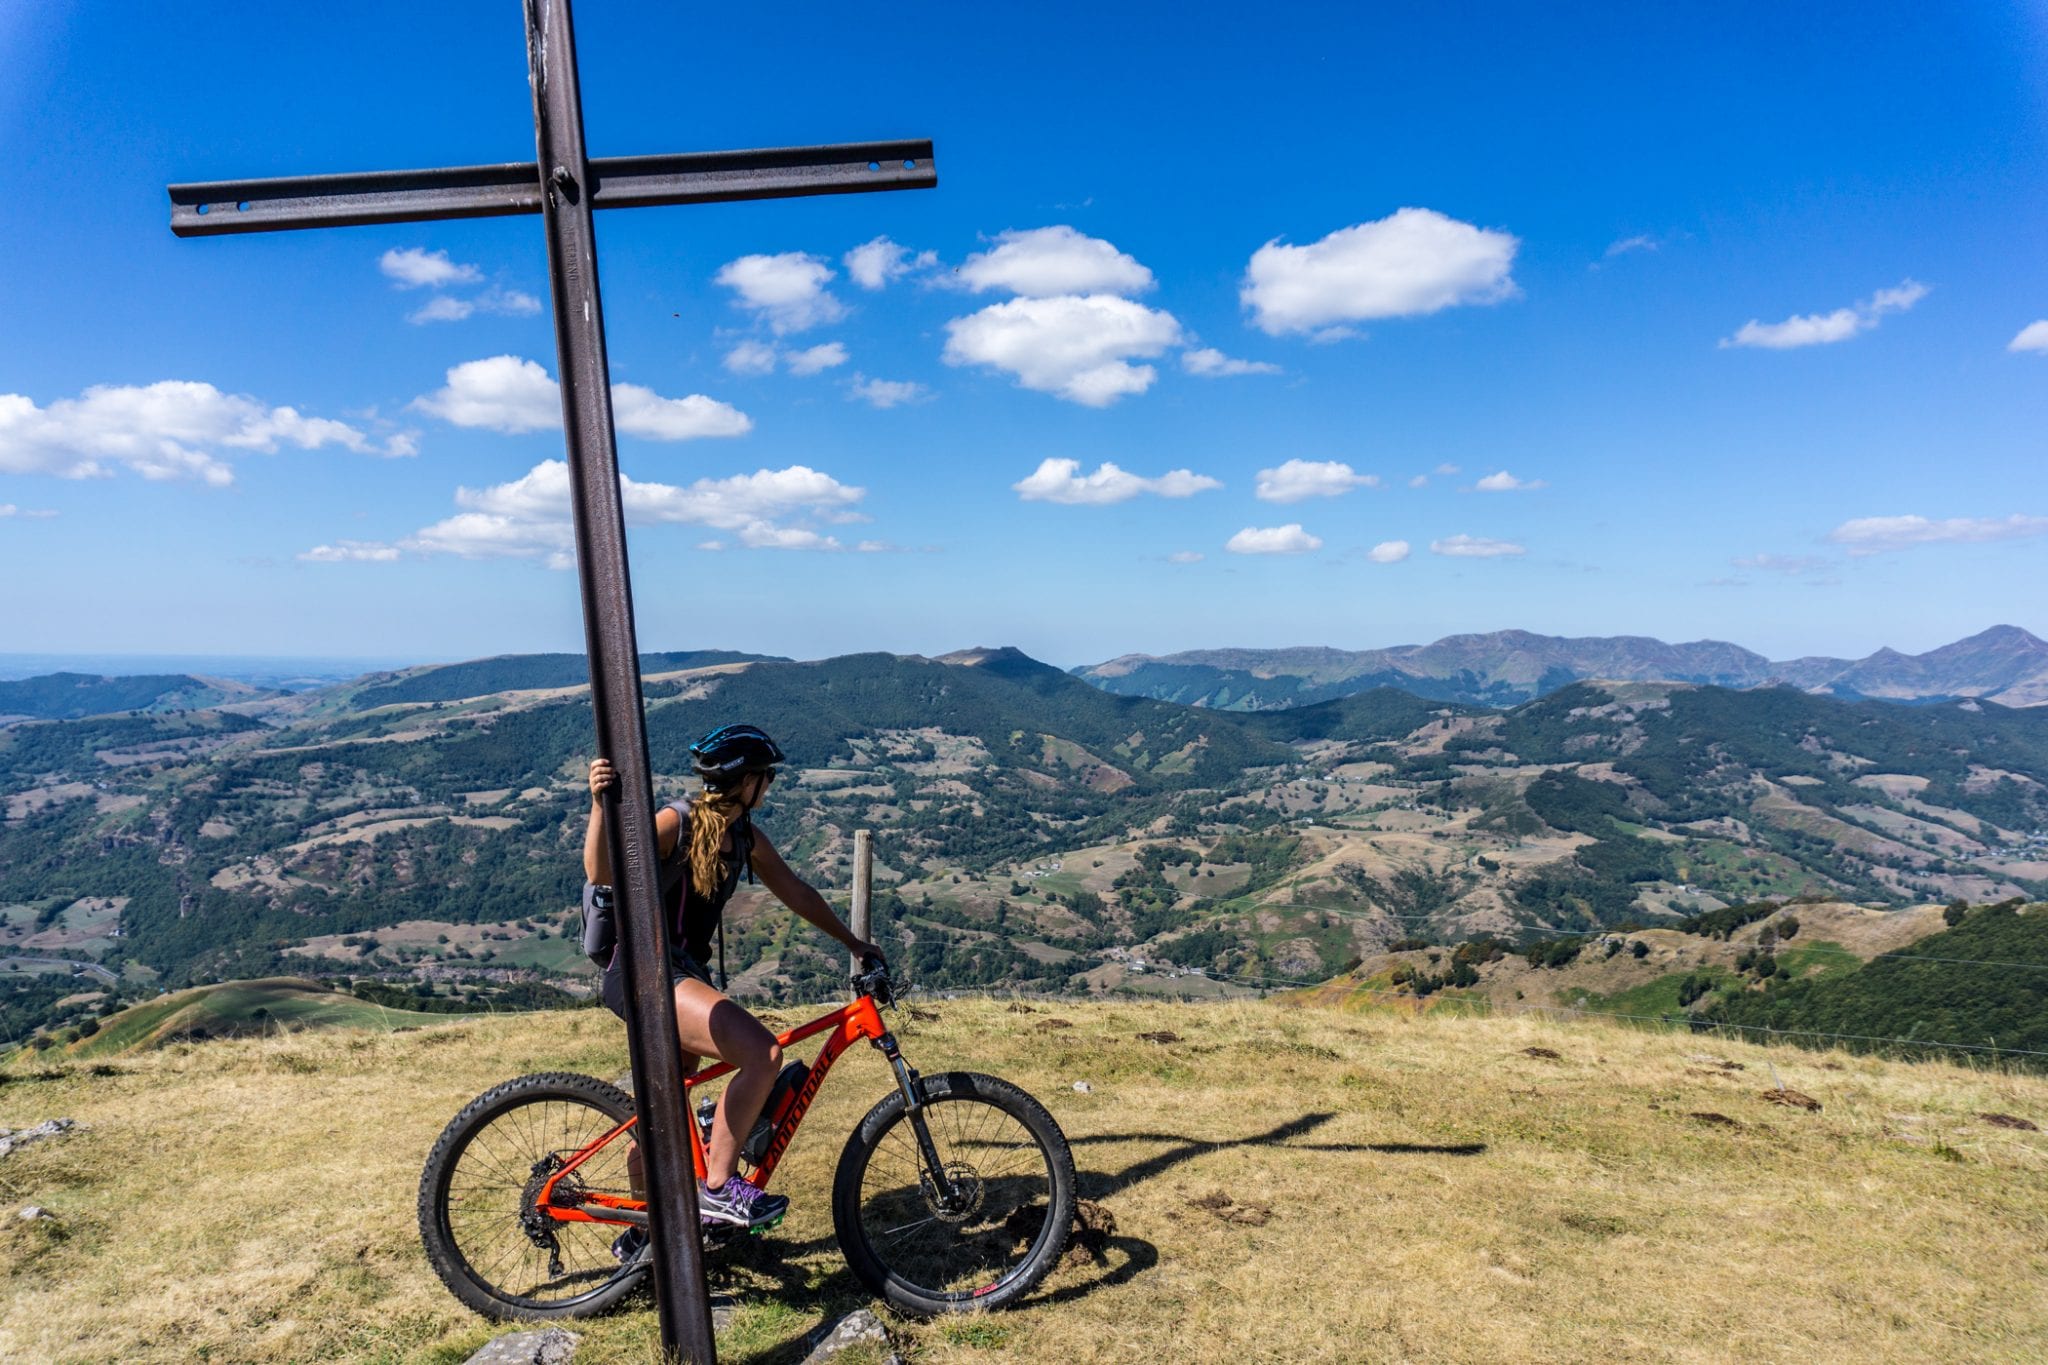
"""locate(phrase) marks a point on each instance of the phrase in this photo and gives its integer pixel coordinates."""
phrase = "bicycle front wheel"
(485, 1237)
(982, 1229)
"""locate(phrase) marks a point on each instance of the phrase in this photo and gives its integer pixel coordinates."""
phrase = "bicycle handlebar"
(875, 980)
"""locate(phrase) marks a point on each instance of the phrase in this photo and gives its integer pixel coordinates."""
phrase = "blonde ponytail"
(711, 815)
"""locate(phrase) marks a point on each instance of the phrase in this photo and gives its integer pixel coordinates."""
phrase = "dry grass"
(1434, 1194)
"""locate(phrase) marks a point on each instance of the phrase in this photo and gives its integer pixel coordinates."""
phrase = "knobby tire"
(1012, 1175)
(476, 1185)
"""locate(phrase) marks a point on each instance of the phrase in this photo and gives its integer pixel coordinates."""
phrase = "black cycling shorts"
(680, 967)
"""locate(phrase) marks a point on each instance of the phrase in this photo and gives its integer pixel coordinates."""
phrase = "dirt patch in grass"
(1793, 1099)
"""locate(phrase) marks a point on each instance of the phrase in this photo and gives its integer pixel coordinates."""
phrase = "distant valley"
(413, 835)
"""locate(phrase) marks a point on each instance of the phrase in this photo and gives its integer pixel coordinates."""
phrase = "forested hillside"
(1031, 829)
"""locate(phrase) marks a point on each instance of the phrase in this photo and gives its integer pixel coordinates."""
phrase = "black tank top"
(693, 919)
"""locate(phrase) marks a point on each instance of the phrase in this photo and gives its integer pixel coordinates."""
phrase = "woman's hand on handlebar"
(867, 954)
(602, 776)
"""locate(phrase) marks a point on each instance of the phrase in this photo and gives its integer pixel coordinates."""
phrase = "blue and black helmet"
(730, 752)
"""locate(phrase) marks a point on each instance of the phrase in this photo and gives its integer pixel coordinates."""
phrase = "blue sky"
(1393, 322)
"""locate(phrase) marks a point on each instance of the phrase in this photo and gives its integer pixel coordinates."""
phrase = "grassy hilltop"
(1400, 1187)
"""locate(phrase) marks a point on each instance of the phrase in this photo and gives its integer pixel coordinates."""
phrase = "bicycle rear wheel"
(984, 1236)
(483, 1234)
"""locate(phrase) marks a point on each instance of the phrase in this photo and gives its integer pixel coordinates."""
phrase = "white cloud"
(1419, 481)
(787, 291)
(1273, 540)
(8, 509)
(441, 308)
(1876, 535)
(501, 393)
(528, 518)
(351, 552)
(1822, 329)
(1301, 479)
(1388, 552)
(1062, 481)
(417, 268)
(750, 357)
(1076, 347)
(510, 394)
(1622, 247)
(877, 547)
(1504, 482)
(1411, 262)
(1186, 557)
(1210, 363)
(642, 412)
(172, 429)
(2032, 337)
(873, 265)
(1447, 470)
(1474, 547)
(1049, 261)
(760, 535)
(1785, 564)
(448, 308)
(816, 358)
(887, 393)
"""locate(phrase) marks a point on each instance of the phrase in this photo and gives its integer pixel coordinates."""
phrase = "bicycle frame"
(843, 1028)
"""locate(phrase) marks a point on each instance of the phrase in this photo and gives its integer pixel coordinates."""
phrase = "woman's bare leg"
(712, 1026)
(636, 1172)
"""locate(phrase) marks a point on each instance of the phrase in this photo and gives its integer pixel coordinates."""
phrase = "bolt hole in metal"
(910, 165)
(203, 208)
(242, 207)
(874, 165)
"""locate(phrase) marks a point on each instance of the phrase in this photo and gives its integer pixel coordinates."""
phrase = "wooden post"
(863, 885)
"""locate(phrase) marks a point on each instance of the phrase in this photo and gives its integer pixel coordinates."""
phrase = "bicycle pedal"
(774, 1222)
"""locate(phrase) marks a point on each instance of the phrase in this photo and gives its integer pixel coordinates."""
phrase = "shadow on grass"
(1099, 1185)
(794, 1280)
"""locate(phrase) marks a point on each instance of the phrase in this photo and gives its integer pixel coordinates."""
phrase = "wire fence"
(1689, 1023)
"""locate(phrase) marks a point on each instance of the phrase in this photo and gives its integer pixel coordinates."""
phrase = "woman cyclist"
(705, 845)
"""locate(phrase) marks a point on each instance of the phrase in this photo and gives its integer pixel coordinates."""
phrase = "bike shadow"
(1183, 1148)
(789, 1272)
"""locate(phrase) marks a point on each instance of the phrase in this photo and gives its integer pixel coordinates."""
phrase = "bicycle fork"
(940, 1184)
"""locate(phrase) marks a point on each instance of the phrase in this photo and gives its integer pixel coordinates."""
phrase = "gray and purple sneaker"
(741, 1204)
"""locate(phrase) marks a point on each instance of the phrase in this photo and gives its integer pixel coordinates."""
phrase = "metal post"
(615, 680)
(863, 881)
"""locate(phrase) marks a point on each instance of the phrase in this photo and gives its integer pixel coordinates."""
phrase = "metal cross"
(564, 186)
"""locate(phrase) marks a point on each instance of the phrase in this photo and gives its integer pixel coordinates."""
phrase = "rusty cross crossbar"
(220, 207)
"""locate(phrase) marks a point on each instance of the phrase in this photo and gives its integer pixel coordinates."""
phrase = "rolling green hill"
(236, 1009)
(69, 696)
(1983, 981)
(516, 672)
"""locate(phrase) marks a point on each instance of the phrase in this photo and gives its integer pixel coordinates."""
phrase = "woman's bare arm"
(597, 854)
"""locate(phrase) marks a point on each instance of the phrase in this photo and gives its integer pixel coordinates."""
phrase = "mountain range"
(2004, 664)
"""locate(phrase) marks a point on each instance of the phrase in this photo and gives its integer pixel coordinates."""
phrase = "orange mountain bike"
(956, 1192)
